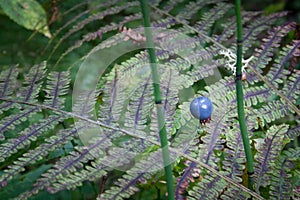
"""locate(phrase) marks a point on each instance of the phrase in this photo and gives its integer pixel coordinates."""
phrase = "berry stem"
(240, 96)
(158, 101)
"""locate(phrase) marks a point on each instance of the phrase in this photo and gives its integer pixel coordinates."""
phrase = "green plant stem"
(240, 96)
(158, 102)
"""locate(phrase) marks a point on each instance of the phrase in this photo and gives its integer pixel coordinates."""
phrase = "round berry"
(201, 108)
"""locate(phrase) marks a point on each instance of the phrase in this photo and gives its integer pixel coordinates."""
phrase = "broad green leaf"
(27, 13)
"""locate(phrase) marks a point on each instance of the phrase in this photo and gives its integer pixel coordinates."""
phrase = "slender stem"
(158, 102)
(240, 96)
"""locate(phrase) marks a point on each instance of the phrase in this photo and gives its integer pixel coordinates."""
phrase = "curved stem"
(240, 95)
(158, 102)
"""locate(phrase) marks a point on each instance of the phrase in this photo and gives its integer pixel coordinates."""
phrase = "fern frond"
(234, 156)
(267, 153)
(171, 4)
(32, 83)
(10, 122)
(234, 193)
(264, 53)
(270, 112)
(57, 86)
(27, 136)
(66, 165)
(78, 16)
(125, 134)
(40, 152)
(229, 26)
(193, 7)
(293, 132)
(257, 26)
(69, 22)
(138, 113)
(164, 23)
(8, 81)
(212, 140)
(292, 89)
(113, 99)
(97, 16)
(255, 95)
(209, 18)
(184, 129)
(75, 179)
(140, 104)
(142, 170)
(183, 182)
(170, 86)
(89, 149)
(27, 93)
(100, 32)
(210, 187)
(84, 103)
(281, 182)
(202, 71)
(278, 92)
(279, 71)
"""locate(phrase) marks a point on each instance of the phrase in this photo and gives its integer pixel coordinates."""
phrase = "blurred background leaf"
(27, 13)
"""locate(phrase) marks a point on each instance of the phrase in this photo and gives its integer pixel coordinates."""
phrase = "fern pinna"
(51, 144)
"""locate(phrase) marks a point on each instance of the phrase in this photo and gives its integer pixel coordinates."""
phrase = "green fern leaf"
(281, 182)
(267, 153)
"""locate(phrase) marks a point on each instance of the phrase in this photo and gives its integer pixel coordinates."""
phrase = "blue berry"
(201, 108)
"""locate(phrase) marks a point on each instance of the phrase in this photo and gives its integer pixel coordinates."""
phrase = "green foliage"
(29, 14)
(81, 122)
